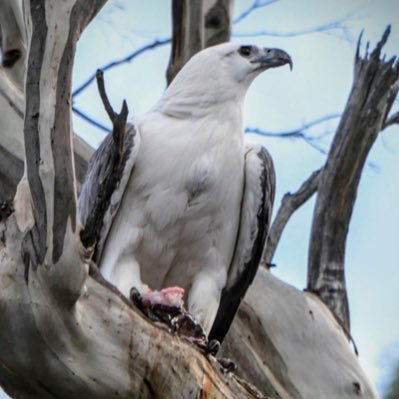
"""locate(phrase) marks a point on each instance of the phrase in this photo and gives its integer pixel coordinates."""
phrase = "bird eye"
(245, 51)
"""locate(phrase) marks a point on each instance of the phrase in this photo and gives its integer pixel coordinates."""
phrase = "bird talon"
(213, 347)
(227, 364)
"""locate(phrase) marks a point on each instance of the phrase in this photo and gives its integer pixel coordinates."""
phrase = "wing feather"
(256, 210)
(101, 167)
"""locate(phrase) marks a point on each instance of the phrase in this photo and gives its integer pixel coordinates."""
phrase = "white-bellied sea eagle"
(193, 207)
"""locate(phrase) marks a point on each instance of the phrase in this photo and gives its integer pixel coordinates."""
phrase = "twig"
(254, 6)
(90, 120)
(324, 28)
(391, 120)
(101, 88)
(298, 133)
(289, 204)
(128, 58)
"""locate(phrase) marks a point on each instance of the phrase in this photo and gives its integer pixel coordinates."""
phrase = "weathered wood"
(13, 39)
(187, 34)
(99, 347)
(196, 25)
(289, 344)
(218, 21)
(12, 104)
(374, 88)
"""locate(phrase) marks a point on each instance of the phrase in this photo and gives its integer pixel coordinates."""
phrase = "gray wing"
(108, 172)
(256, 210)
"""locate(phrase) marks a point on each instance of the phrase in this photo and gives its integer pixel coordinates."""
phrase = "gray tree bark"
(375, 86)
(196, 25)
(12, 102)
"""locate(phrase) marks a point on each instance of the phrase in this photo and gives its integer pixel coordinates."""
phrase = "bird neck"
(192, 97)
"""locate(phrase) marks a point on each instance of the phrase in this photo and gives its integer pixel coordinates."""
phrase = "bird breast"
(185, 194)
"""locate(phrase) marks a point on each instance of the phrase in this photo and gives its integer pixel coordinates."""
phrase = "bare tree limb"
(187, 34)
(256, 5)
(282, 338)
(328, 28)
(128, 58)
(90, 120)
(99, 348)
(13, 40)
(369, 102)
(218, 23)
(289, 204)
(101, 88)
(298, 133)
(13, 94)
(48, 143)
(391, 120)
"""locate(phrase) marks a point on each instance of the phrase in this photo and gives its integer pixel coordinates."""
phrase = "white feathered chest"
(178, 216)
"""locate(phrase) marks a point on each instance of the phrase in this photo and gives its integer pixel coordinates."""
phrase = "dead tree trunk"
(277, 315)
(374, 88)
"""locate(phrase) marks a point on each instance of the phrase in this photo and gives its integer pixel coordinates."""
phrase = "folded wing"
(256, 210)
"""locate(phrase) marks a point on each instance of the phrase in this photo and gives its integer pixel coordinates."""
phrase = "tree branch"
(12, 93)
(187, 34)
(128, 58)
(369, 102)
(256, 5)
(217, 21)
(90, 120)
(100, 347)
(289, 204)
(391, 120)
(298, 133)
(56, 27)
(328, 28)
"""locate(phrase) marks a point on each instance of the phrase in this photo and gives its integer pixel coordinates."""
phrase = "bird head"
(220, 73)
(244, 62)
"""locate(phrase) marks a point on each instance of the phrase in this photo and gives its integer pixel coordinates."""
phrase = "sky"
(280, 100)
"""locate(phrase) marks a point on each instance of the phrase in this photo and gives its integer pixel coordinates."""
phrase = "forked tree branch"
(373, 91)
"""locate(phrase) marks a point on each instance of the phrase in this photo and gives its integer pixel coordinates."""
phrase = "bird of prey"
(194, 203)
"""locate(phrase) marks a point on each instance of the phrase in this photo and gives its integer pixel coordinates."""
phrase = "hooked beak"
(272, 58)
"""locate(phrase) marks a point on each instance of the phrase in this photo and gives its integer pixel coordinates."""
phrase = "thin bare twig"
(101, 88)
(257, 4)
(299, 133)
(328, 28)
(289, 204)
(90, 120)
(128, 58)
(391, 120)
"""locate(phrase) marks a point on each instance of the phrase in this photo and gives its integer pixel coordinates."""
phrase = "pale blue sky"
(280, 100)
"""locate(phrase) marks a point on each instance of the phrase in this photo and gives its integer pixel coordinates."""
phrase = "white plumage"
(195, 202)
